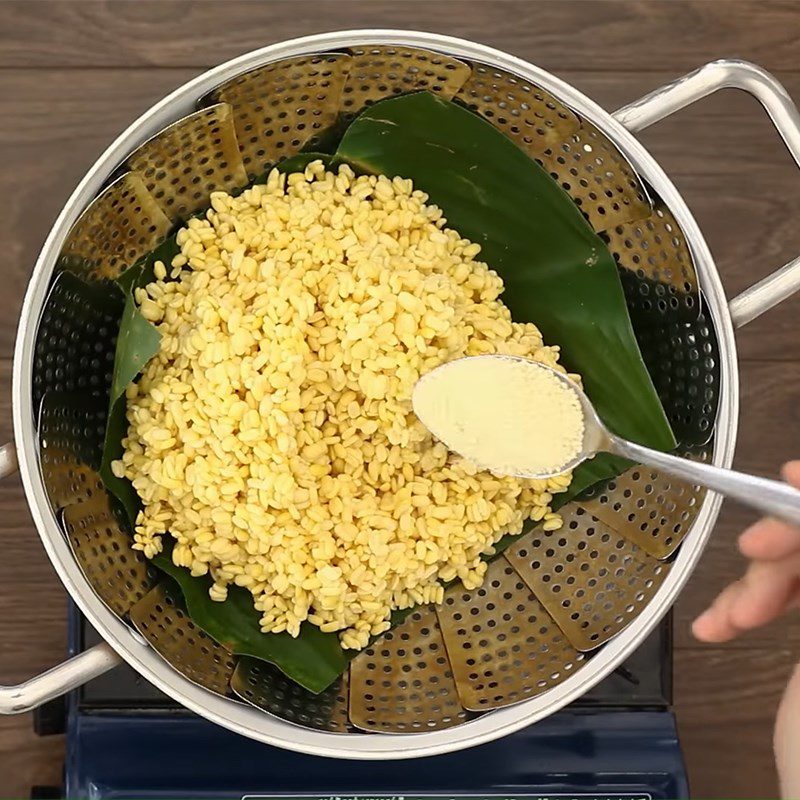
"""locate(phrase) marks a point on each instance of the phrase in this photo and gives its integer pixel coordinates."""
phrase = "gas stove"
(125, 739)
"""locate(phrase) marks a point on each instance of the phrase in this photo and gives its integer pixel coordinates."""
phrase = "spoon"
(775, 498)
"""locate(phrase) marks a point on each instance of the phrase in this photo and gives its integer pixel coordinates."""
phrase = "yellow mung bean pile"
(273, 435)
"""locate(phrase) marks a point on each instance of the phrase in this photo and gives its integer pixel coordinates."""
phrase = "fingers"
(768, 588)
(715, 624)
(767, 591)
(771, 584)
(769, 540)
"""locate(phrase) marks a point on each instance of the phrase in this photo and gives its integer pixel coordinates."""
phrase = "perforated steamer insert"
(559, 611)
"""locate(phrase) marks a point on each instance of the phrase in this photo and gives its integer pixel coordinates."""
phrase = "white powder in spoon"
(510, 416)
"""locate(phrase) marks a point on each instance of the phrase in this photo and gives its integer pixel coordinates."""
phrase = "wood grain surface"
(74, 74)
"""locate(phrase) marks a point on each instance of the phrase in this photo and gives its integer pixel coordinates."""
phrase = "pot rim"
(253, 722)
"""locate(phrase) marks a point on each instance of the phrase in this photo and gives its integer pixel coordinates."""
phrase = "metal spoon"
(775, 498)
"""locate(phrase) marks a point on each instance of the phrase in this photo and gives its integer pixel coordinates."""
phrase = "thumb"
(791, 473)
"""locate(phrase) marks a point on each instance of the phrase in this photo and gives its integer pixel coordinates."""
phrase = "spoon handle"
(775, 498)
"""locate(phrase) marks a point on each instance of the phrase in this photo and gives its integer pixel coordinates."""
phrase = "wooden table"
(74, 74)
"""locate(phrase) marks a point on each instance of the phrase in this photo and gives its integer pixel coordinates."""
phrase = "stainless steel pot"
(599, 132)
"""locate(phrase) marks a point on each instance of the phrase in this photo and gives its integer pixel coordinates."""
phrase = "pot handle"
(64, 677)
(731, 74)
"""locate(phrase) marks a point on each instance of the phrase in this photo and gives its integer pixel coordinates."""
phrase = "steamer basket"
(559, 610)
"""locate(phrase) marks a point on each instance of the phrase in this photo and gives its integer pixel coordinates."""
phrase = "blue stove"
(124, 739)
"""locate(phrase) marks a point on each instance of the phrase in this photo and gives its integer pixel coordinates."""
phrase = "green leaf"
(314, 659)
(121, 488)
(558, 273)
(137, 342)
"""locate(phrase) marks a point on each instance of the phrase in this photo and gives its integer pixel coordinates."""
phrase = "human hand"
(770, 588)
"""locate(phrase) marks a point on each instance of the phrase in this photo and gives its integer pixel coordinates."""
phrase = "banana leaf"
(558, 273)
(137, 342)
(314, 659)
